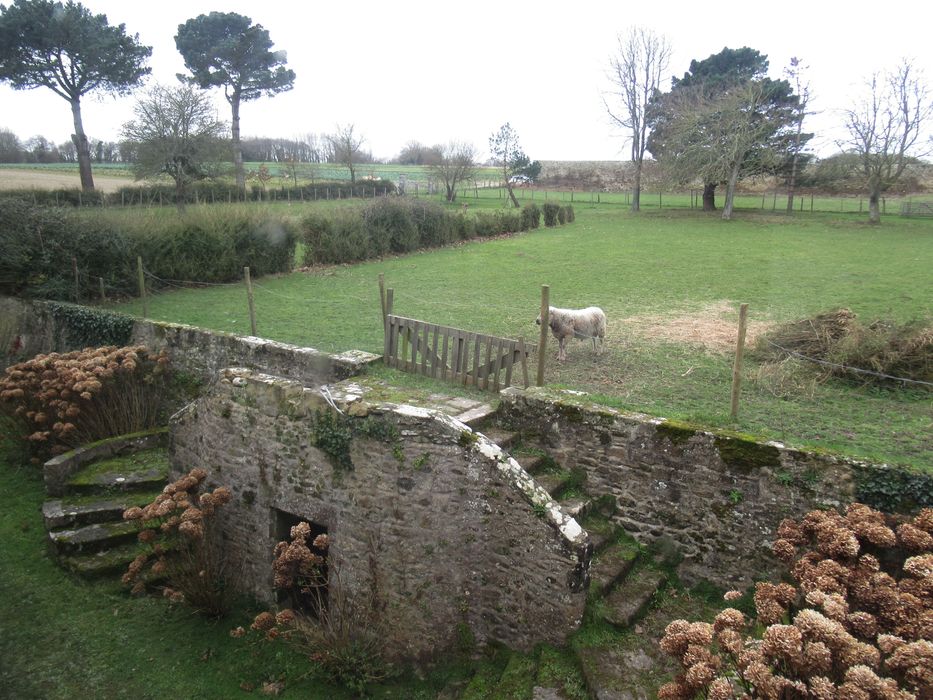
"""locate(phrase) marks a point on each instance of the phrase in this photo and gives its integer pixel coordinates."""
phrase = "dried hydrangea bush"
(857, 625)
(176, 529)
(62, 400)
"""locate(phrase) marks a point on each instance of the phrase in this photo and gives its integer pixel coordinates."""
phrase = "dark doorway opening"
(310, 596)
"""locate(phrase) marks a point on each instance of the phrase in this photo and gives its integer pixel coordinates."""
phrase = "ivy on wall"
(894, 490)
(88, 327)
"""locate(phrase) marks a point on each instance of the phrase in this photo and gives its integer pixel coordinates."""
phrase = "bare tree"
(885, 130)
(795, 76)
(176, 133)
(635, 73)
(456, 162)
(346, 147)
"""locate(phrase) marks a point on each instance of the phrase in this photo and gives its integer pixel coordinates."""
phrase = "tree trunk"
(180, 202)
(730, 191)
(352, 173)
(792, 184)
(515, 203)
(874, 210)
(79, 139)
(636, 188)
(709, 196)
(451, 193)
(235, 141)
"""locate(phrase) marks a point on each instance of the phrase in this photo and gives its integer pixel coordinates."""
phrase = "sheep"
(580, 323)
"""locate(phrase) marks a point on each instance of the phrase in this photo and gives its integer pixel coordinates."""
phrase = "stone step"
(602, 531)
(627, 673)
(502, 437)
(474, 417)
(518, 677)
(533, 464)
(485, 681)
(95, 537)
(631, 599)
(75, 510)
(557, 669)
(552, 482)
(142, 471)
(576, 506)
(105, 563)
(611, 565)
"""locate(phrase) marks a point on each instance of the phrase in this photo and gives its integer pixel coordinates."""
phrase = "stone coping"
(59, 469)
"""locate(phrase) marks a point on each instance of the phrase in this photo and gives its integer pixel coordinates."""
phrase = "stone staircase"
(624, 580)
(85, 524)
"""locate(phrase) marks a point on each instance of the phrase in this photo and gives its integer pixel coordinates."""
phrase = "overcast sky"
(436, 71)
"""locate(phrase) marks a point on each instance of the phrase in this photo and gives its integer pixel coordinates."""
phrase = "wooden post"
(522, 353)
(249, 300)
(74, 269)
(542, 343)
(103, 293)
(390, 293)
(142, 285)
(737, 366)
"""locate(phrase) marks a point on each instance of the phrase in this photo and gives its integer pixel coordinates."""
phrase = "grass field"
(670, 282)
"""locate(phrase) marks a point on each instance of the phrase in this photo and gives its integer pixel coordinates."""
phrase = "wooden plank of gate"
(495, 367)
(455, 360)
(488, 340)
(393, 341)
(413, 334)
(523, 355)
(509, 358)
(434, 357)
(475, 359)
(444, 357)
(424, 349)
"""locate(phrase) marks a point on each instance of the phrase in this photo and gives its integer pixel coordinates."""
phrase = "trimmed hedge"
(207, 191)
(400, 225)
(42, 246)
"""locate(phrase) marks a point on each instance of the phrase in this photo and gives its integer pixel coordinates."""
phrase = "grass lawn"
(651, 273)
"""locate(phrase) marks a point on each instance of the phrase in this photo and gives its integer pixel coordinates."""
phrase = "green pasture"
(645, 271)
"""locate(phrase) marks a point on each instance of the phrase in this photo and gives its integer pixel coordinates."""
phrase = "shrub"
(562, 215)
(41, 245)
(338, 238)
(550, 213)
(345, 636)
(859, 623)
(531, 214)
(65, 400)
(569, 214)
(214, 245)
(176, 528)
(837, 340)
(390, 225)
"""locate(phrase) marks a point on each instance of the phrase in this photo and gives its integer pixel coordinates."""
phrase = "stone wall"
(448, 534)
(34, 329)
(719, 497)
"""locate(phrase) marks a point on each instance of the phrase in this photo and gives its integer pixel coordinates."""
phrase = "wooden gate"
(454, 355)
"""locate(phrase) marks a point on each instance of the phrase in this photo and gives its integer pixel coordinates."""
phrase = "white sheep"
(576, 323)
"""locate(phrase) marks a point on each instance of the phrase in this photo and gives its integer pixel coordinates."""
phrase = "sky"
(440, 71)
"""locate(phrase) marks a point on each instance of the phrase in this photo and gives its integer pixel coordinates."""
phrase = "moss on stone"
(746, 455)
(676, 432)
(152, 459)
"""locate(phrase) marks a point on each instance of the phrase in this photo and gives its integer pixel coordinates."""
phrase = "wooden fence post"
(737, 366)
(522, 353)
(542, 343)
(382, 295)
(141, 277)
(249, 300)
(103, 293)
(390, 293)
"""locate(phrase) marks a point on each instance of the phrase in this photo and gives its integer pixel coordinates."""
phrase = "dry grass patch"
(714, 327)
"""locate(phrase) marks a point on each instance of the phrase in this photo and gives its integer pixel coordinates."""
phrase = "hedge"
(207, 191)
(400, 225)
(43, 246)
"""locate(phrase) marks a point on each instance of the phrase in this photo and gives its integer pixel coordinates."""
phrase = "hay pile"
(898, 350)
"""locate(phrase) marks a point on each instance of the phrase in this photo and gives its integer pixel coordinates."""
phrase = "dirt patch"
(714, 327)
(17, 178)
